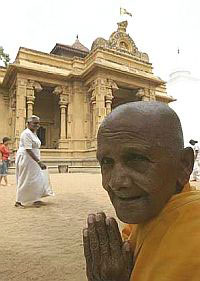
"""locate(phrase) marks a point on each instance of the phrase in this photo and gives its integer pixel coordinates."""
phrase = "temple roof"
(120, 41)
(77, 45)
(75, 50)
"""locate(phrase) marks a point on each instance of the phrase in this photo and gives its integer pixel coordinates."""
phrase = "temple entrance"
(41, 133)
(47, 108)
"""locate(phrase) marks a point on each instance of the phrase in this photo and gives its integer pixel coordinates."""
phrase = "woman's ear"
(186, 167)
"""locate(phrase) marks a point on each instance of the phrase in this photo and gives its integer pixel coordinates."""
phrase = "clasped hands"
(107, 257)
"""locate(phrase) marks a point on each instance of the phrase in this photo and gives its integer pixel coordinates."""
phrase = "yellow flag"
(124, 12)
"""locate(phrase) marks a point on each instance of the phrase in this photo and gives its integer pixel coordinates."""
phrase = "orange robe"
(167, 248)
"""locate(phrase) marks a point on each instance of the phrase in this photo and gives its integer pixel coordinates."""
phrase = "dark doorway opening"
(41, 133)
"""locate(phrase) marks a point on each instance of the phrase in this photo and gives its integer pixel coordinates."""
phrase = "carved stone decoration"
(6, 97)
(122, 26)
(120, 41)
(37, 87)
(58, 90)
(64, 90)
(146, 94)
(99, 42)
(111, 84)
(64, 100)
(104, 85)
(31, 88)
(13, 102)
(33, 85)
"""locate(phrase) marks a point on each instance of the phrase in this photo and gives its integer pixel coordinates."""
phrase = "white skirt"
(31, 180)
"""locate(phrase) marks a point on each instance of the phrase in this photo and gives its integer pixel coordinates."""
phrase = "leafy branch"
(4, 57)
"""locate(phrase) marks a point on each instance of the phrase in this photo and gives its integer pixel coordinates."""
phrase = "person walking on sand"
(30, 180)
(4, 160)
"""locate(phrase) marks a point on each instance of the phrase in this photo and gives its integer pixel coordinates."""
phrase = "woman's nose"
(119, 179)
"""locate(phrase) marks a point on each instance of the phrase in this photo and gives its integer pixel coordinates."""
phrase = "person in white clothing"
(195, 176)
(30, 182)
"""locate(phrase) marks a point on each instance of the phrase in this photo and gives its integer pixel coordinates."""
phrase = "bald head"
(154, 121)
(143, 161)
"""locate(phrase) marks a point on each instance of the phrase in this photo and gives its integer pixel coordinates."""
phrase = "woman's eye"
(136, 157)
(106, 161)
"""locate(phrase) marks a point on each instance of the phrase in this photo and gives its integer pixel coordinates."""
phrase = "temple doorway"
(41, 133)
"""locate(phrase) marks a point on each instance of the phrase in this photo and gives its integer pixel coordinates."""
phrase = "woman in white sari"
(30, 180)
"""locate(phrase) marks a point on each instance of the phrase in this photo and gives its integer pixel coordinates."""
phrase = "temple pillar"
(63, 107)
(30, 103)
(13, 114)
(101, 100)
(32, 87)
(98, 89)
(87, 118)
(108, 101)
(93, 101)
(63, 94)
(20, 109)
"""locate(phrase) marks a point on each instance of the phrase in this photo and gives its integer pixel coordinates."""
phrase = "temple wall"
(4, 118)
(78, 137)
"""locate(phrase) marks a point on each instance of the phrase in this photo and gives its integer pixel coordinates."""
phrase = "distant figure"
(4, 160)
(30, 181)
(195, 176)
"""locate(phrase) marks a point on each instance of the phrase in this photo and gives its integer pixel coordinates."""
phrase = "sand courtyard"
(45, 244)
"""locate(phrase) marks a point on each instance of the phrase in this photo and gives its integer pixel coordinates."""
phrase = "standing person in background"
(30, 182)
(195, 176)
(4, 160)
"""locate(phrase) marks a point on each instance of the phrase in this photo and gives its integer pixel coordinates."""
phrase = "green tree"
(4, 57)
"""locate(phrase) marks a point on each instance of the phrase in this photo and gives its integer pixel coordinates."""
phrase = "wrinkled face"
(139, 177)
(34, 125)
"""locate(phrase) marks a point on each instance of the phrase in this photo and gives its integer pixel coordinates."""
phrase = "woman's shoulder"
(2, 147)
(25, 134)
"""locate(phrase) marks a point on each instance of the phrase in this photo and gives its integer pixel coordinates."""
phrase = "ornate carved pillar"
(111, 88)
(63, 94)
(20, 109)
(101, 100)
(94, 124)
(63, 105)
(13, 114)
(32, 87)
(146, 94)
(86, 113)
(109, 98)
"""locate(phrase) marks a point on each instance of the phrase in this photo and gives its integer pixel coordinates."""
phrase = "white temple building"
(186, 90)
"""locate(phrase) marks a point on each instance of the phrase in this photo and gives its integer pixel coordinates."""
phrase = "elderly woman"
(4, 156)
(145, 171)
(30, 181)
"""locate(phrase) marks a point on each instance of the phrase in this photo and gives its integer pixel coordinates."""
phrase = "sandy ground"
(45, 244)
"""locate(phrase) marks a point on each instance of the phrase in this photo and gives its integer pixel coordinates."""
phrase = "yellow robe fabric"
(167, 248)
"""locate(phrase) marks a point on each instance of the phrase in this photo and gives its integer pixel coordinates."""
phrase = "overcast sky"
(158, 27)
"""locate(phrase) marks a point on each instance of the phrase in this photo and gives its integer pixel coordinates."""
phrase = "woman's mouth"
(127, 199)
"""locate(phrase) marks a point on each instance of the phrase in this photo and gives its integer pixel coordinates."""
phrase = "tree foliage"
(4, 57)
